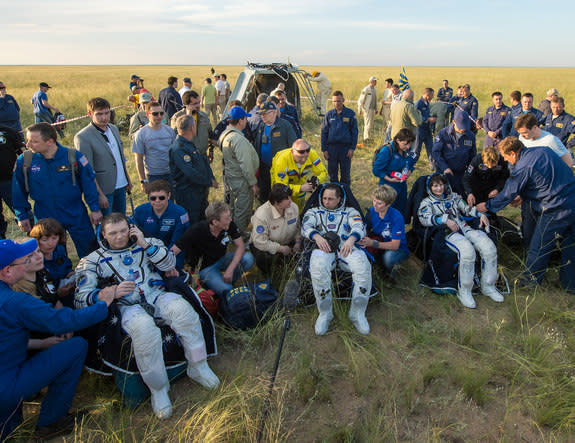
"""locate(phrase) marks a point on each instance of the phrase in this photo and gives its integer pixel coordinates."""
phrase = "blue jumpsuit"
(454, 151)
(493, 121)
(338, 136)
(58, 367)
(547, 184)
(424, 132)
(168, 227)
(192, 176)
(508, 128)
(390, 162)
(561, 127)
(50, 183)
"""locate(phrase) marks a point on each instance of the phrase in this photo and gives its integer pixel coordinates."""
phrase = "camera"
(314, 182)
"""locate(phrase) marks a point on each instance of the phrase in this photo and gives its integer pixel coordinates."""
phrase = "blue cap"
(10, 251)
(187, 80)
(267, 106)
(238, 112)
(462, 121)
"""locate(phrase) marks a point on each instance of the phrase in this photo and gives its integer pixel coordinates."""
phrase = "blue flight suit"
(561, 127)
(508, 129)
(168, 227)
(50, 183)
(339, 135)
(59, 266)
(547, 184)
(469, 105)
(390, 162)
(58, 367)
(424, 131)
(291, 112)
(192, 176)
(493, 121)
(445, 94)
(10, 112)
(454, 151)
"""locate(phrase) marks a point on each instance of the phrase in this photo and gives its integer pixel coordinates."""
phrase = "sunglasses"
(2, 87)
(156, 113)
(303, 151)
(153, 198)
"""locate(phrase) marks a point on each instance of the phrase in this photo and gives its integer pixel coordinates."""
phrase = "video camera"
(314, 182)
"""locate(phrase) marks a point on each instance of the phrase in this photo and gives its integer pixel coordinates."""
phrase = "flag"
(403, 82)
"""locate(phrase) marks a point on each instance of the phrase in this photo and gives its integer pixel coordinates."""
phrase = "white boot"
(357, 314)
(324, 306)
(201, 372)
(488, 280)
(161, 404)
(466, 273)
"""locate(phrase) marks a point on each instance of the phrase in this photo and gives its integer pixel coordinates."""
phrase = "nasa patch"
(260, 229)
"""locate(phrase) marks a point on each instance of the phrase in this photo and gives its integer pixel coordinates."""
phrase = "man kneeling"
(335, 229)
(133, 261)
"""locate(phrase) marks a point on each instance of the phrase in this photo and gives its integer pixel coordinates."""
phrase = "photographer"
(300, 168)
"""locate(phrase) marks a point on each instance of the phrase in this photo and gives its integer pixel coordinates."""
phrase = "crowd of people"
(305, 208)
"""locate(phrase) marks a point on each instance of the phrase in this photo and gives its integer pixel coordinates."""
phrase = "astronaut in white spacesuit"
(335, 229)
(442, 207)
(132, 260)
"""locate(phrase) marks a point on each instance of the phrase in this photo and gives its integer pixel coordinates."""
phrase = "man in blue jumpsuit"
(543, 180)
(445, 92)
(508, 128)
(454, 148)
(289, 111)
(58, 367)
(9, 110)
(161, 218)
(51, 186)
(190, 170)
(339, 139)
(560, 123)
(424, 130)
(494, 118)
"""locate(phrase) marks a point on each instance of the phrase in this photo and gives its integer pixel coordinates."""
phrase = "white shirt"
(546, 139)
(121, 180)
(184, 89)
(221, 87)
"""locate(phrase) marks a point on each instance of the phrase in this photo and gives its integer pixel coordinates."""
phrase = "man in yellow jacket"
(295, 167)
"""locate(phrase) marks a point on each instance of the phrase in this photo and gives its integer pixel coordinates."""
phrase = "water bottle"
(131, 275)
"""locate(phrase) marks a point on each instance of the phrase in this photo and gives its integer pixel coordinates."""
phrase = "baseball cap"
(145, 97)
(267, 106)
(552, 91)
(44, 85)
(134, 76)
(461, 120)
(10, 250)
(187, 80)
(238, 112)
(372, 79)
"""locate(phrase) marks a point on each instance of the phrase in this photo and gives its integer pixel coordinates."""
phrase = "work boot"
(466, 298)
(324, 306)
(357, 314)
(201, 373)
(161, 404)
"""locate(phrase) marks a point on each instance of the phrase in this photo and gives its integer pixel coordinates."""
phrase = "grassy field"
(430, 370)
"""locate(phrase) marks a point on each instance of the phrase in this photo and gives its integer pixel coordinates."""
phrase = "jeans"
(212, 275)
(391, 259)
(116, 201)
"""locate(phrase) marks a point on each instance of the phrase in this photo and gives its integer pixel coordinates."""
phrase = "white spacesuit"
(347, 224)
(434, 211)
(323, 90)
(139, 309)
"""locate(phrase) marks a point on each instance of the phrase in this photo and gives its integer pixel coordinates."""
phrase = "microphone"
(290, 298)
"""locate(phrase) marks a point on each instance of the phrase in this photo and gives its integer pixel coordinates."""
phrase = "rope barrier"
(68, 120)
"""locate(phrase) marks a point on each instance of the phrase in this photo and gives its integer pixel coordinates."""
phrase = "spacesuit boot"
(488, 280)
(324, 306)
(161, 404)
(202, 373)
(357, 314)
(466, 273)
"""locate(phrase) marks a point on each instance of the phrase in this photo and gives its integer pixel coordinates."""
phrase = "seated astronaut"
(132, 261)
(335, 229)
(442, 207)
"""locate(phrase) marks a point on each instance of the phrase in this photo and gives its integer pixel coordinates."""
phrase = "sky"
(307, 32)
